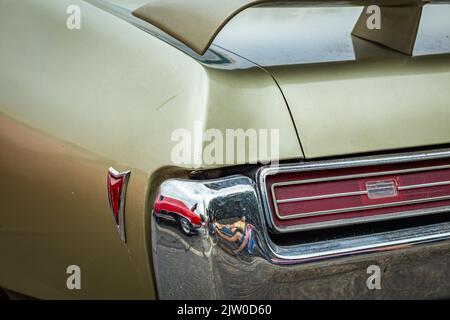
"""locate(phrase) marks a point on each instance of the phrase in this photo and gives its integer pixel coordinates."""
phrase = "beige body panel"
(73, 103)
(54, 213)
(369, 105)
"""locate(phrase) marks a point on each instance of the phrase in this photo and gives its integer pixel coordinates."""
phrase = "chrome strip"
(385, 241)
(325, 196)
(305, 166)
(424, 185)
(360, 220)
(357, 193)
(362, 175)
(362, 208)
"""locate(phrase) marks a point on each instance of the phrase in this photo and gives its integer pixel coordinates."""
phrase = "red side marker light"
(117, 187)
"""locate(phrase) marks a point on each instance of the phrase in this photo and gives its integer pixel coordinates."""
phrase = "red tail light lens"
(315, 199)
(117, 184)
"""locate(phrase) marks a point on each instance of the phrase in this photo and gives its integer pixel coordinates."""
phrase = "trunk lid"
(348, 95)
(366, 106)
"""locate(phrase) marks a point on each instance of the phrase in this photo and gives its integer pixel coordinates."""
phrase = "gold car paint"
(348, 95)
(369, 105)
(73, 103)
(55, 213)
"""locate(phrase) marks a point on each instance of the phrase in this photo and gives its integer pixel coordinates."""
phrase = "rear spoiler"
(196, 23)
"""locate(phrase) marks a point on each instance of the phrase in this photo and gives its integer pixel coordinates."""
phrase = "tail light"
(313, 199)
(117, 185)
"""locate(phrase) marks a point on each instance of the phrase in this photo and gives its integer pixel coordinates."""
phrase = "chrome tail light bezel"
(267, 171)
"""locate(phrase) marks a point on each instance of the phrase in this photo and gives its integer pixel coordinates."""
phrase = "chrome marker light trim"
(304, 166)
(126, 176)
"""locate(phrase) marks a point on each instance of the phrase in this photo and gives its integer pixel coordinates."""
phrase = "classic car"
(310, 138)
(175, 210)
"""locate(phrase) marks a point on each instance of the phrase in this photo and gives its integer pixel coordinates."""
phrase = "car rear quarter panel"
(73, 103)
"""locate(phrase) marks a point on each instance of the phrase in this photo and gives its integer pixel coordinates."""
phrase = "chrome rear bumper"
(213, 264)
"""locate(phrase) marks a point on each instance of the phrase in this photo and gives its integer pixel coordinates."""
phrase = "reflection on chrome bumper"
(230, 254)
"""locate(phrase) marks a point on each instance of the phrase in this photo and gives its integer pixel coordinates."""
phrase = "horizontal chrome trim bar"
(362, 175)
(424, 185)
(360, 193)
(321, 197)
(360, 220)
(306, 166)
(385, 241)
(363, 208)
